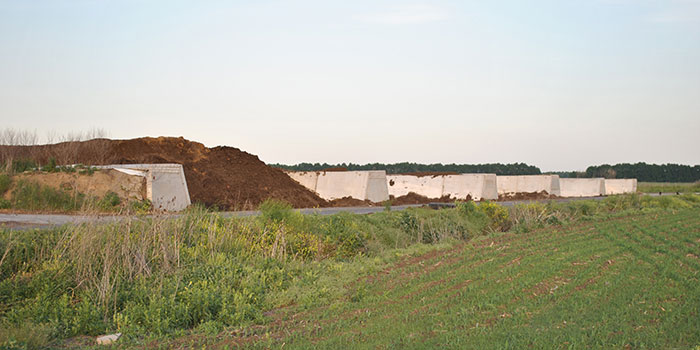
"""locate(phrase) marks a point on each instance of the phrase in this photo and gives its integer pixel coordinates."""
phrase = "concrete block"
(620, 186)
(377, 190)
(474, 186)
(330, 185)
(582, 187)
(166, 186)
(308, 179)
(428, 186)
(511, 184)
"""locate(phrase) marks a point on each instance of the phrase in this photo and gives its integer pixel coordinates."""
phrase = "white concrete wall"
(593, 187)
(428, 186)
(377, 190)
(490, 190)
(620, 186)
(308, 179)
(478, 186)
(166, 186)
(511, 184)
(338, 184)
(330, 185)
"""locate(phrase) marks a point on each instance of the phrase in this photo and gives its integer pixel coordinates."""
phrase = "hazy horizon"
(558, 85)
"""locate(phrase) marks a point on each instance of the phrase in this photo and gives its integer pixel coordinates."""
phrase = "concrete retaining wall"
(582, 187)
(428, 186)
(330, 185)
(476, 186)
(308, 179)
(166, 186)
(511, 184)
(620, 186)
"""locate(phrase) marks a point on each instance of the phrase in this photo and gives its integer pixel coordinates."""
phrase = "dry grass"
(28, 145)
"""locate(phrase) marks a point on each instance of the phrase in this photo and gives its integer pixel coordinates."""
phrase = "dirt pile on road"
(222, 176)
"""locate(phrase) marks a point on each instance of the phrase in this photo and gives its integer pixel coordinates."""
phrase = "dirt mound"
(414, 198)
(525, 196)
(352, 202)
(225, 177)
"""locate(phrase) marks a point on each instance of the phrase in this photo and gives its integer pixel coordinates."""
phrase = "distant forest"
(647, 172)
(639, 171)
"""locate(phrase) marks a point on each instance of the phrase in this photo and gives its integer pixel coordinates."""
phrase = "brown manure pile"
(221, 176)
(414, 198)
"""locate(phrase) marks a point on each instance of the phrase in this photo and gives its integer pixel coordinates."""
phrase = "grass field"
(619, 272)
(627, 282)
(669, 187)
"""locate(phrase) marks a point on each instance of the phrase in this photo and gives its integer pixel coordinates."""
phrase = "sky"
(559, 84)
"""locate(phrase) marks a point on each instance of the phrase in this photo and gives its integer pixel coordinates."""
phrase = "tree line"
(646, 172)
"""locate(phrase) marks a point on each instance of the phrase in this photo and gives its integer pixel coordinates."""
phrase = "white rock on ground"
(108, 339)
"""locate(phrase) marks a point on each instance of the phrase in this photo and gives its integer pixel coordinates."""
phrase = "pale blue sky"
(558, 84)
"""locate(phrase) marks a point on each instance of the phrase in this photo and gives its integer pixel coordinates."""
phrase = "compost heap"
(225, 177)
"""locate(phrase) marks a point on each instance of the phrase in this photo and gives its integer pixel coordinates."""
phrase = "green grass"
(625, 282)
(5, 182)
(417, 277)
(669, 187)
(32, 196)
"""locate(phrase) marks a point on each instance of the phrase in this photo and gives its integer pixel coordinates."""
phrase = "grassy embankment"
(669, 187)
(25, 195)
(198, 275)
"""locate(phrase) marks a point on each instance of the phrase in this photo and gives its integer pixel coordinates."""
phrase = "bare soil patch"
(351, 202)
(414, 198)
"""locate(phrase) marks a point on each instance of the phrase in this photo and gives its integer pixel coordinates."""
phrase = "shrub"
(5, 182)
(472, 212)
(51, 166)
(623, 202)
(273, 210)
(670, 202)
(22, 165)
(345, 233)
(497, 214)
(583, 208)
(139, 207)
(304, 245)
(110, 200)
(407, 221)
(529, 216)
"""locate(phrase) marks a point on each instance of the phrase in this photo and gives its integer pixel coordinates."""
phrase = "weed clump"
(277, 211)
(5, 182)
